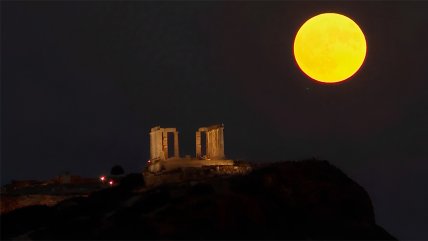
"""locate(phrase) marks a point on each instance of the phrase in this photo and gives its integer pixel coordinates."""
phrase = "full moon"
(330, 47)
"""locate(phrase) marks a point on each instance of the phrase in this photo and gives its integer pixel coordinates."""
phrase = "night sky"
(83, 83)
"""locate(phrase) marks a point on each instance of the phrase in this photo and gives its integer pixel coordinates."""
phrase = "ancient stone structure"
(214, 142)
(210, 160)
(213, 154)
(159, 143)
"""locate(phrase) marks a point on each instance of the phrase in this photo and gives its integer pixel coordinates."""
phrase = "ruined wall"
(159, 143)
(156, 147)
(214, 142)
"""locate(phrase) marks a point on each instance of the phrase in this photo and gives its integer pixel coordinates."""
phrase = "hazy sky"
(83, 83)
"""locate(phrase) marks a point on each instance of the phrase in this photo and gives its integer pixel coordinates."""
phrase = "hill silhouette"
(286, 200)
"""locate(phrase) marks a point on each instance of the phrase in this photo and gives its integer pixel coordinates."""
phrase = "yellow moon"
(330, 47)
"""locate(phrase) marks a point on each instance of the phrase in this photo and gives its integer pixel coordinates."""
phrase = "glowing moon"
(330, 47)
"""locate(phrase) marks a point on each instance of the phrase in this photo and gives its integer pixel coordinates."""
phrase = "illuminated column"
(156, 143)
(215, 142)
(152, 145)
(158, 146)
(214, 152)
(221, 138)
(165, 144)
(209, 144)
(198, 144)
(176, 150)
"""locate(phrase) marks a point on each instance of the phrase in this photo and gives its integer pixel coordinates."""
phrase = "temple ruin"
(214, 139)
(214, 142)
(159, 143)
(209, 160)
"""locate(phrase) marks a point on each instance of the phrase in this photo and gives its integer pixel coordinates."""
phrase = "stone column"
(152, 145)
(158, 145)
(215, 143)
(215, 148)
(209, 144)
(165, 144)
(176, 150)
(198, 144)
(221, 137)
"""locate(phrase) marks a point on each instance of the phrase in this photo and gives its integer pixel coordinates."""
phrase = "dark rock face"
(288, 200)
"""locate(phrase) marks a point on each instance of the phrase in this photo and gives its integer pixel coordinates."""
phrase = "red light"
(103, 178)
(111, 182)
(149, 161)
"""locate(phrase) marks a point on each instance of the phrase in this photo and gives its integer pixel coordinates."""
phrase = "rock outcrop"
(287, 200)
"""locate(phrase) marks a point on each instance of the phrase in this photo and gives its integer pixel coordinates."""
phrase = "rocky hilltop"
(48, 194)
(287, 200)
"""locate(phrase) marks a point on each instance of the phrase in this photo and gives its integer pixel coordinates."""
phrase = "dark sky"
(83, 83)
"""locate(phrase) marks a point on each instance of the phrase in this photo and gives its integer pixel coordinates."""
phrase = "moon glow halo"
(330, 47)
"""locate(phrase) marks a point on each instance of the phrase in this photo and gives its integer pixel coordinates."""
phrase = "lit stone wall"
(159, 143)
(214, 142)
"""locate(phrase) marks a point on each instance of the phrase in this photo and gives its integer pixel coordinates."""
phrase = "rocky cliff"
(287, 200)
